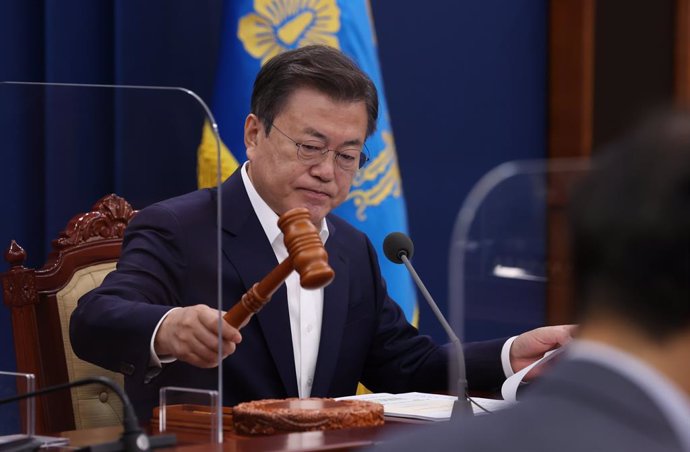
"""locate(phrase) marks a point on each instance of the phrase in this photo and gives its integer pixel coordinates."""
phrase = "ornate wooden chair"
(42, 300)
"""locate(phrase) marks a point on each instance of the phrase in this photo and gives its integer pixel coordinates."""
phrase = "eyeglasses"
(313, 152)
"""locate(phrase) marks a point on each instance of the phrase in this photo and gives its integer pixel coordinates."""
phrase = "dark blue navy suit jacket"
(169, 259)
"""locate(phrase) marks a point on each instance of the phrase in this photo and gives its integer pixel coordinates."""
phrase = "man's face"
(280, 177)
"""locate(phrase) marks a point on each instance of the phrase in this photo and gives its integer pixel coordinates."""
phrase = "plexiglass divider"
(502, 247)
(199, 405)
(19, 415)
(67, 145)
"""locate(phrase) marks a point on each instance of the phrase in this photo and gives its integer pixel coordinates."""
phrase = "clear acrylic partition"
(500, 257)
(69, 145)
(197, 404)
(19, 416)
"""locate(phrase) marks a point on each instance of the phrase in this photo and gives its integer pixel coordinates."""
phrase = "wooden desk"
(91, 436)
(331, 440)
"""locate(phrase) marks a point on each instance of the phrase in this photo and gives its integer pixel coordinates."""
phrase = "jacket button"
(127, 368)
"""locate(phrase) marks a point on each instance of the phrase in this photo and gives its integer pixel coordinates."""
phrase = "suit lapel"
(247, 250)
(274, 320)
(335, 304)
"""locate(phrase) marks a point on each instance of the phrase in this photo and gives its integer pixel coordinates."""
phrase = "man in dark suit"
(311, 111)
(624, 383)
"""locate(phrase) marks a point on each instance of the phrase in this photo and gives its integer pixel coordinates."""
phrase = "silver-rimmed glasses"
(313, 152)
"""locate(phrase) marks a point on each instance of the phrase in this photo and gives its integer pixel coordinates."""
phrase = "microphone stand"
(133, 438)
(462, 405)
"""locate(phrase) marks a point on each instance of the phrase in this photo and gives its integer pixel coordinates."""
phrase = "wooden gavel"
(306, 255)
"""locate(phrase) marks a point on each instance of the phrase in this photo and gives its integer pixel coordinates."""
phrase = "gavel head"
(309, 258)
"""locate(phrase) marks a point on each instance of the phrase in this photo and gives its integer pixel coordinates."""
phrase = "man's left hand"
(530, 346)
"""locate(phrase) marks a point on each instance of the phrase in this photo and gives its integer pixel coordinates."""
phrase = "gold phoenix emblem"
(378, 180)
(278, 25)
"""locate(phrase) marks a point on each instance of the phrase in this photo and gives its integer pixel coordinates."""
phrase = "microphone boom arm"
(461, 387)
(398, 248)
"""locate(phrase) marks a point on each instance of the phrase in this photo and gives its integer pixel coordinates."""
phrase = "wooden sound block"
(270, 416)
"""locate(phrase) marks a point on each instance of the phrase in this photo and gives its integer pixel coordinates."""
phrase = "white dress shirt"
(305, 306)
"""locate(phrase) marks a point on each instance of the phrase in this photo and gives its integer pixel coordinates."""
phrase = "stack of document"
(21, 441)
(424, 406)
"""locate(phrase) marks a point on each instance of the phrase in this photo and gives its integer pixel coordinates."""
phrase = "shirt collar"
(267, 217)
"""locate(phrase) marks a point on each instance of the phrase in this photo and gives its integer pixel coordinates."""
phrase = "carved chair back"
(42, 300)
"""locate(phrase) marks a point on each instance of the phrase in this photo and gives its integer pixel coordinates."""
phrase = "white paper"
(46, 441)
(512, 383)
(425, 406)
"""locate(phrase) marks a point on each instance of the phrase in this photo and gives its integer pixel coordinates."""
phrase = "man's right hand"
(191, 335)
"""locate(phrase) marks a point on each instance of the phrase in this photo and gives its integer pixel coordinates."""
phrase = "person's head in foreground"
(631, 244)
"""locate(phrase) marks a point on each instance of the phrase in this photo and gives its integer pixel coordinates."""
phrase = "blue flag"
(256, 30)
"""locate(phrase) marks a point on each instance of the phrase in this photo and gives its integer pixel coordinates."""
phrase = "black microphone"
(399, 249)
(133, 438)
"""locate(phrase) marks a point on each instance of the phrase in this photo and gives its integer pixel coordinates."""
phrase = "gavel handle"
(258, 295)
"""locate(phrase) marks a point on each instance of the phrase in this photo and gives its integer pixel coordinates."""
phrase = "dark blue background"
(466, 86)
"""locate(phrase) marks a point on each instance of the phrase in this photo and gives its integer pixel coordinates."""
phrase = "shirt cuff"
(154, 359)
(505, 357)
